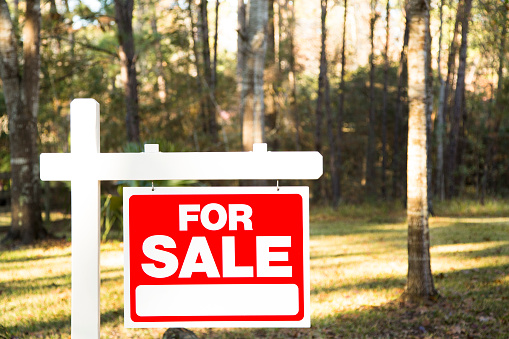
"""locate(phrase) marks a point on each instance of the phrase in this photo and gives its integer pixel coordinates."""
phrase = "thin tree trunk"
(501, 56)
(195, 38)
(440, 114)
(162, 87)
(429, 112)
(398, 116)
(124, 20)
(21, 93)
(458, 101)
(341, 103)
(384, 107)
(272, 79)
(207, 73)
(293, 80)
(323, 103)
(420, 280)
(451, 65)
(371, 151)
(320, 101)
(214, 62)
(252, 96)
(241, 58)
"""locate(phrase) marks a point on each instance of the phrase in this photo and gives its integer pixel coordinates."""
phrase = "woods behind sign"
(216, 257)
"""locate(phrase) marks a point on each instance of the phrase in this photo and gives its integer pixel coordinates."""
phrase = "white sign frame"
(86, 166)
(302, 191)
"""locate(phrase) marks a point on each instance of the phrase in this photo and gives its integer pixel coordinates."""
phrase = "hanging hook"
(277, 185)
(153, 186)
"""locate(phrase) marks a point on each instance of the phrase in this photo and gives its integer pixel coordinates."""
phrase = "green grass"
(358, 271)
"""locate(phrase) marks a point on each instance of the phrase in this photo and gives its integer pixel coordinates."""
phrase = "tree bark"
(501, 55)
(241, 57)
(162, 87)
(341, 103)
(459, 96)
(211, 125)
(323, 104)
(124, 20)
(252, 96)
(419, 281)
(21, 94)
(371, 151)
(293, 79)
(440, 115)
(241, 42)
(397, 162)
(429, 112)
(384, 103)
(214, 62)
(451, 66)
(272, 79)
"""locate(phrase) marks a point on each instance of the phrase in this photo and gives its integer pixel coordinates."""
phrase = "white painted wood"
(85, 212)
(151, 148)
(260, 147)
(188, 165)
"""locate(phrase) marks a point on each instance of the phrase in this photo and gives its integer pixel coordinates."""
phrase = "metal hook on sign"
(153, 186)
(277, 185)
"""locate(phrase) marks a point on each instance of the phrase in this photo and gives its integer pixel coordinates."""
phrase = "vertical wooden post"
(85, 223)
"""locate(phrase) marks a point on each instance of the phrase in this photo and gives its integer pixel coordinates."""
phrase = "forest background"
(335, 80)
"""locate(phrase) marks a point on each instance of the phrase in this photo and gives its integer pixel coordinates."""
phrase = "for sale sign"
(216, 257)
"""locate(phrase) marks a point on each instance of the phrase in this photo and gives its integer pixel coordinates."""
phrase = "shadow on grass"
(473, 305)
(41, 329)
(367, 284)
(35, 258)
(34, 286)
(56, 326)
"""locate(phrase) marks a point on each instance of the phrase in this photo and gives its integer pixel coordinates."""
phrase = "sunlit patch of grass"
(358, 271)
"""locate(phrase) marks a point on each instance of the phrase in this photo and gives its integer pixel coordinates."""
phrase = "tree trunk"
(241, 58)
(419, 281)
(211, 124)
(162, 87)
(21, 94)
(384, 107)
(271, 80)
(440, 115)
(397, 162)
(195, 38)
(293, 79)
(371, 151)
(451, 65)
(124, 20)
(241, 41)
(323, 104)
(319, 192)
(252, 96)
(429, 112)
(341, 103)
(501, 55)
(214, 62)
(459, 96)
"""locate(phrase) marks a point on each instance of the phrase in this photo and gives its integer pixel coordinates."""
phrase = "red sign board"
(216, 257)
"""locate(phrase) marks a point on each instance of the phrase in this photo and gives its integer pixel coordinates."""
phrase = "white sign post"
(85, 167)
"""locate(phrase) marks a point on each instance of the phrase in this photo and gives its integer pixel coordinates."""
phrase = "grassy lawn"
(358, 271)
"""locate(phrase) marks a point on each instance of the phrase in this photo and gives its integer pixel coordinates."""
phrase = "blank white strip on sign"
(217, 300)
